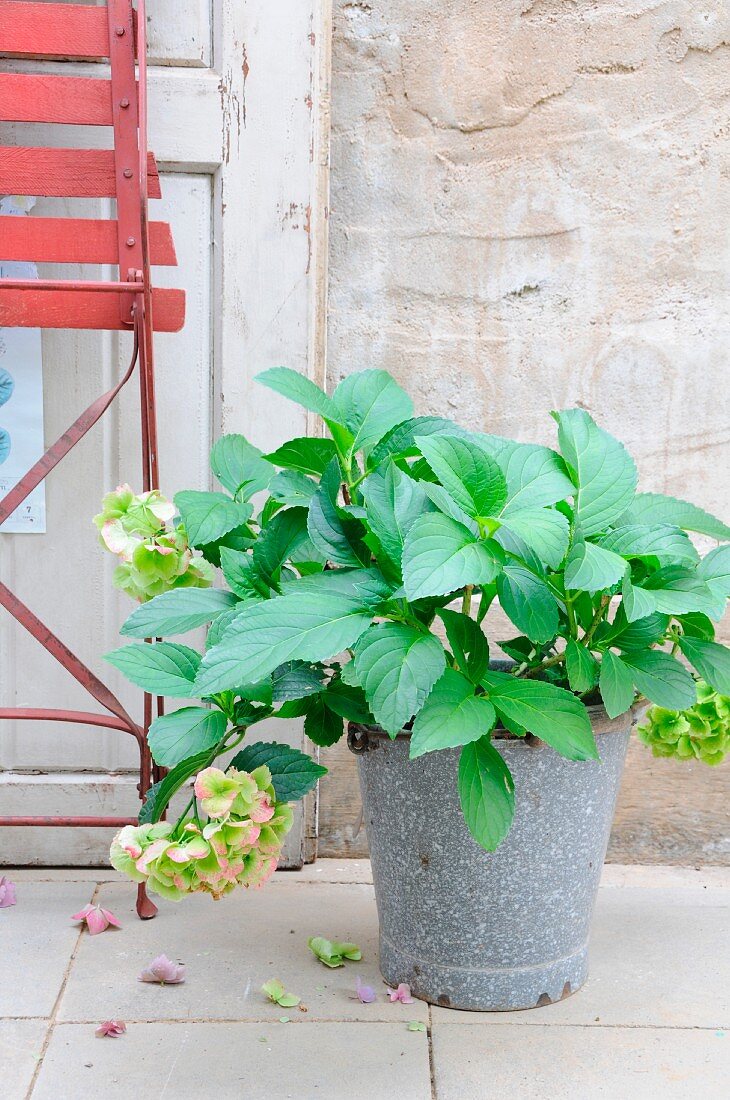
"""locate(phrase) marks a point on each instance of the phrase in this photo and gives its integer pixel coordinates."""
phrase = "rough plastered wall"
(531, 210)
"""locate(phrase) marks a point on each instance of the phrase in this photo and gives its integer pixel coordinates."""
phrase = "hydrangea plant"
(359, 569)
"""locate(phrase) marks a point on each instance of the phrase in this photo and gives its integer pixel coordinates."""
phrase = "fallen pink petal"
(163, 971)
(365, 993)
(96, 919)
(111, 1029)
(7, 893)
(402, 994)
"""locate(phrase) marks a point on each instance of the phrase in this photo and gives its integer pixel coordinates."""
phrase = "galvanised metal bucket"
(477, 930)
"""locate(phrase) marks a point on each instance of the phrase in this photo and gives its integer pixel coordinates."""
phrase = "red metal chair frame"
(127, 173)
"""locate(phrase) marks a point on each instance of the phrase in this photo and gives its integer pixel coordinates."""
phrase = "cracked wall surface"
(530, 210)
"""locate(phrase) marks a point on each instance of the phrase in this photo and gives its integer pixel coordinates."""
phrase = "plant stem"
(549, 663)
(600, 612)
(466, 600)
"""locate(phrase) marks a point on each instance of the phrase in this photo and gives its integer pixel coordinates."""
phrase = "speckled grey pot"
(477, 930)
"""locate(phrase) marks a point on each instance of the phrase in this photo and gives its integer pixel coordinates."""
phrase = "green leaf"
(174, 737)
(637, 602)
(321, 724)
(292, 488)
(696, 625)
(208, 516)
(298, 388)
(279, 542)
(486, 793)
(307, 455)
(293, 773)
(528, 602)
(177, 611)
(648, 508)
(159, 794)
(547, 711)
(581, 667)
(440, 556)
(162, 668)
(397, 666)
(295, 680)
(711, 660)
(370, 403)
(348, 701)
(677, 591)
(590, 568)
(616, 684)
(241, 575)
(393, 502)
(714, 570)
(452, 715)
(334, 534)
(312, 626)
(400, 441)
(240, 466)
(469, 475)
(444, 502)
(220, 625)
(669, 545)
(332, 954)
(536, 476)
(467, 643)
(661, 678)
(638, 634)
(545, 531)
(602, 469)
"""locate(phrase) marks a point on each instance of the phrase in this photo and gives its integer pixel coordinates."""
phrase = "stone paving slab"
(658, 958)
(21, 1042)
(37, 938)
(480, 1062)
(230, 949)
(218, 1061)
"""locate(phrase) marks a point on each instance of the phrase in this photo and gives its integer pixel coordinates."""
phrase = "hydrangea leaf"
(581, 667)
(603, 471)
(616, 685)
(467, 472)
(649, 508)
(239, 466)
(308, 456)
(545, 530)
(298, 388)
(397, 666)
(528, 602)
(207, 517)
(661, 678)
(369, 403)
(591, 568)
(164, 668)
(177, 611)
(393, 503)
(711, 660)
(486, 793)
(452, 715)
(545, 710)
(174, 737)
(467, 643)
(441, 555)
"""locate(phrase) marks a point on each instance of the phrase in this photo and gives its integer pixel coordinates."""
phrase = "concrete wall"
(531, 209)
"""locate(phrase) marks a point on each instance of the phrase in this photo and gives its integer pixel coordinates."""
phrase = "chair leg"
(146, 908)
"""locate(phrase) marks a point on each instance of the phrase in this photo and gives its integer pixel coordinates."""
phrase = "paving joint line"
(57, 1003)
(431, 1055)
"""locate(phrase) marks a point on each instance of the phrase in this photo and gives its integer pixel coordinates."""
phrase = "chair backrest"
(126, 172)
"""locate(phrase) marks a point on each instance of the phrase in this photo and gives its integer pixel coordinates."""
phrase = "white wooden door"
(238, 120)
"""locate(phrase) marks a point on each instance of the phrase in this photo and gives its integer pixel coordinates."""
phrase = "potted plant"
(357, 592)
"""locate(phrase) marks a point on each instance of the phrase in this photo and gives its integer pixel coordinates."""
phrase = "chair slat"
(53, 30)
(84, 309)
(70, 100)
(75, 241)
(71, 173)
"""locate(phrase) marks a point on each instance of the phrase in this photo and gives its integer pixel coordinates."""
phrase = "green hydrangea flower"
(155, 557)
(239, 846)
(700, 733)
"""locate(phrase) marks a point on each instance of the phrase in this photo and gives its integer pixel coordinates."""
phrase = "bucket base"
(501, 990)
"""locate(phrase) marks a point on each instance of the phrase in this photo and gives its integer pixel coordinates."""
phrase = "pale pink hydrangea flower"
(163, 971)
(7, 893)
(112, 1029)
(365, 993)
(402, 994)
(96, 919)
